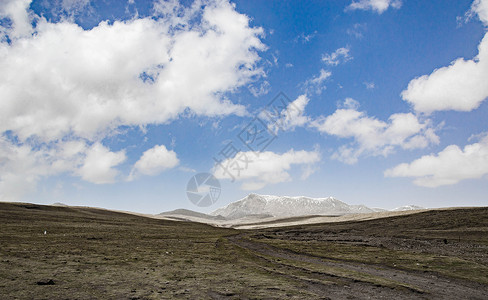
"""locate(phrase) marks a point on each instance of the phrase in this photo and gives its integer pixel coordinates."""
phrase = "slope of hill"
(189, 215)
(51, 252)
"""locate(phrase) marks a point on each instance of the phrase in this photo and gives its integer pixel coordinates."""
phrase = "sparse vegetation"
(89, 253)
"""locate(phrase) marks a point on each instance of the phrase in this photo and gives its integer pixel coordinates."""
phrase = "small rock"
(46, 282)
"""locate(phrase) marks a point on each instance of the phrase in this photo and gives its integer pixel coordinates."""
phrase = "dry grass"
(90, 253)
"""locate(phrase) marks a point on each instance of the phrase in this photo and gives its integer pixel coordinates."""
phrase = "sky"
(118, 104)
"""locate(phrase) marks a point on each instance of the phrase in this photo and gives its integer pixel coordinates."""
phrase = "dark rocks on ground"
(46, 282)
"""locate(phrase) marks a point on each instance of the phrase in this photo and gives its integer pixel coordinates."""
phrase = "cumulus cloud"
(20, 169)
(266, 168)
(154, 161)
(369, 135)
(294, 115)
(18, 13)
(141, 71)
(480, 9)
(339, 56)
(378, 6)
(460, 86)
(316, 83)
(290, 117)
(99, 164)
(372, 136)
(22, 166)
(67, 83)
(447, 167)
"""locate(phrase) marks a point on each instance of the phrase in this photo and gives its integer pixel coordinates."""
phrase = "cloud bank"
(266, 168)
(372, 136)
(447, 167)
(60, 83)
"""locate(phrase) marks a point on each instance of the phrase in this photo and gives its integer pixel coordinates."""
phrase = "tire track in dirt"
(329, 286)
(434, 286)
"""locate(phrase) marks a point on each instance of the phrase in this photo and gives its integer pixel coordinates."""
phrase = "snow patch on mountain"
(408, 207)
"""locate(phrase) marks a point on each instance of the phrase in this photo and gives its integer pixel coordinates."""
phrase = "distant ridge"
(285, 207)
(59, 204)
(182, 213)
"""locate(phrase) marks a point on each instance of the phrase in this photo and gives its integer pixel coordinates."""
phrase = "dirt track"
(411, 284)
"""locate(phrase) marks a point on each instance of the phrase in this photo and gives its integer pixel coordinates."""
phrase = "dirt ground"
(97, 254)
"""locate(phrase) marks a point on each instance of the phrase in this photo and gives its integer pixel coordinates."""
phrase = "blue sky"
(117, 104)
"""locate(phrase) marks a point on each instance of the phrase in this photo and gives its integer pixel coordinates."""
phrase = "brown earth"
(89, 253)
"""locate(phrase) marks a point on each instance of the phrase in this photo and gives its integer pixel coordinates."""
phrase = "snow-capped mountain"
(408, 207)
(283, 207)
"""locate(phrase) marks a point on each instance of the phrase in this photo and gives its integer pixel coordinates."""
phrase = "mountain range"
(284, 207)
(257, 208)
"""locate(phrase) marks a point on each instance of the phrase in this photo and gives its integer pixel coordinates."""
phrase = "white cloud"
(378, 6)
(18, 13)
(369, 85)
(305, 38)
(461, 86)
(187, 169)
(341, 55)
(64, 82)
(307, 171)
(20, 170)
(479, 8)
(22, 166)
(357, 30)
(317, 80)
(290, 117)
(448, 167)
(73, 9)
(266, 168)
(263, 89)
(294, 114)
(349, 103)
(154, 161)
(372, 136)
(99, 164)
(137, 72)
(316, 83)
